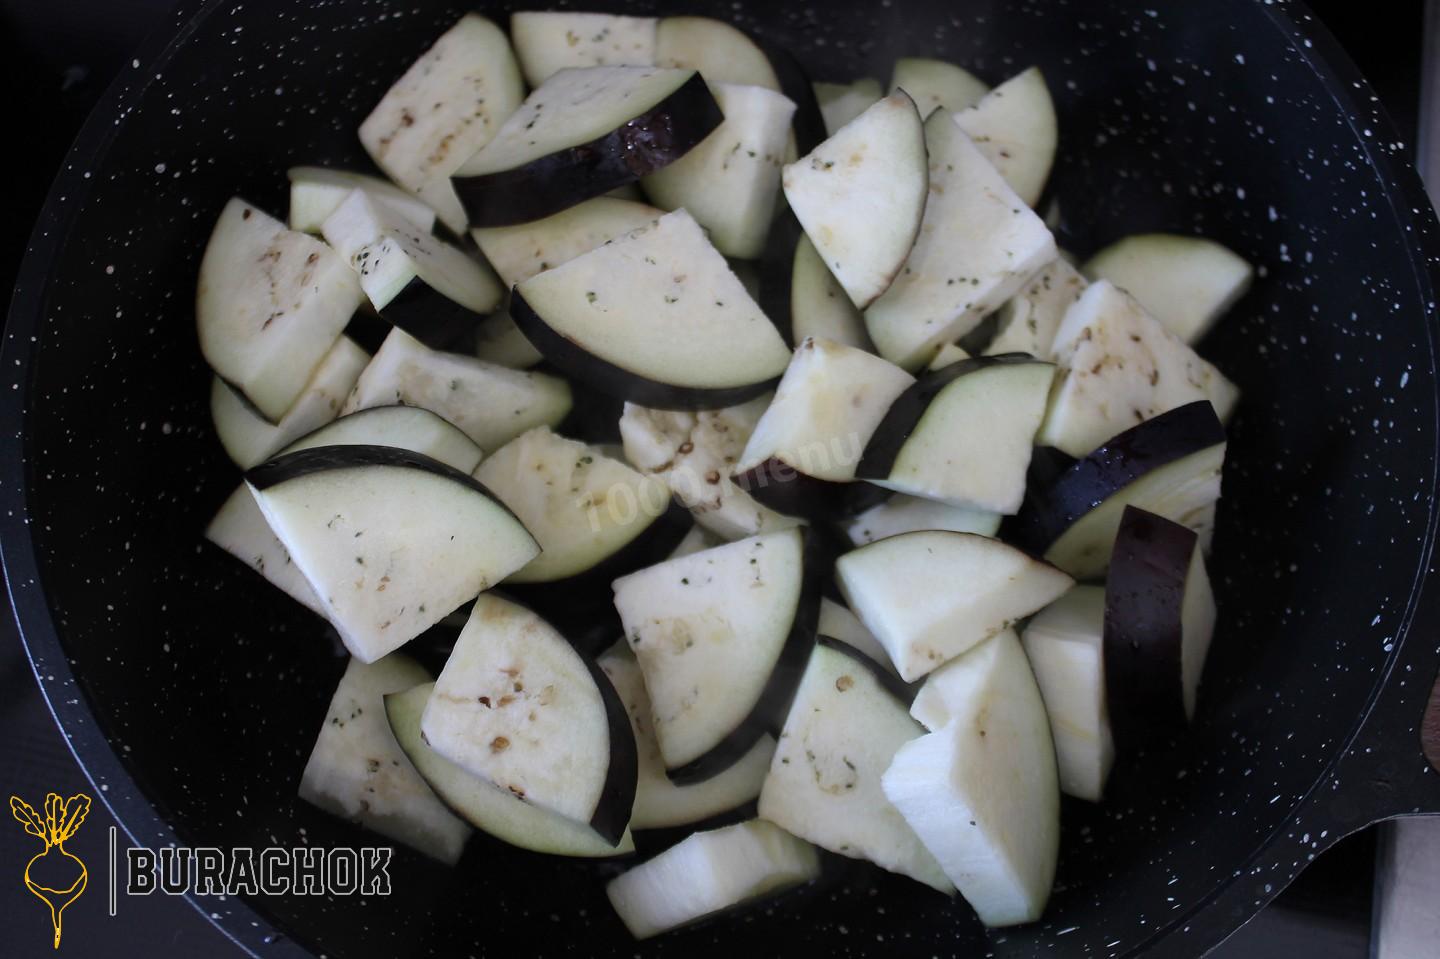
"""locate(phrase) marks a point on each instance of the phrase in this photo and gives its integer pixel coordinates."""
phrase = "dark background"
(57, 57)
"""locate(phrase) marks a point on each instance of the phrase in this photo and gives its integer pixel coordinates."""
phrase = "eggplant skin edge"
(1100, 474)
(1144, 628)
(638, 147)
(773, 704)
(573, 360)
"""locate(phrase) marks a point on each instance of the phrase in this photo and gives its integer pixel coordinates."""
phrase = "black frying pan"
(192, 694)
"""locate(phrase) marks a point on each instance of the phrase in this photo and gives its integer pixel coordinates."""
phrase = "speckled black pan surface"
(192, 692)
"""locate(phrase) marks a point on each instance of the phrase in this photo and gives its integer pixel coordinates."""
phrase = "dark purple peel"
(768, 714)
(777, 272)
(1144, 631)
(779, 486)
(617, 796)
(1047, 465)
(808, 122)
(1121, 461)
(430, 316)
(888, 681)
(368, 329)
(592, 586)
(905, 413)
(651, 141)
(289, 466)
(573, 360)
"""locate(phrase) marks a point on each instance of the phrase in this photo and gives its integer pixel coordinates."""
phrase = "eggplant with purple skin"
(849, 718)
(655, 317)
(692, 454)
(725, 54)
(518, 706)
(963, 434)
(491, 404)
(594, 517)
(722, 637)
(415, 281)
(496, 812)
(390, 540)
(802, 455)
(582, 133)
(251, 263)
(1168, 465)
(861, 195)
(1159, 619)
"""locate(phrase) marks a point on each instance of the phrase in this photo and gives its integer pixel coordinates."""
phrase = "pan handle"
(1430, 728)
(1392, 767)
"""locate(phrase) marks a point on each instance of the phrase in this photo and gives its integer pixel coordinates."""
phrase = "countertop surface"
(57, 59)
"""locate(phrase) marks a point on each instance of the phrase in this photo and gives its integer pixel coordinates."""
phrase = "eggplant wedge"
(722, 637)
(1185, 282)
(491, 404)
(249, 438)
(1159, 619)
(443, 109)
(417, 282)
(583, 133)
(518, 706)
(963, 434)
(847, 722)
(270, 304)
(863, 217)
(978, 244)
(358, 772)
(660, 803)
(391, 541)
(548, 41)
(496, 812)
(593, 516)
(1119, 366)
(982, 791)
(708, 873)
(1065, 645)
(657, 318)
(1014, 125)
(929, 596)
(1168, 465)
(519, 252)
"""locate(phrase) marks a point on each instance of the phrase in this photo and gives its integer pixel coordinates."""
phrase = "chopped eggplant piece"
(358, 772)
(708, 873)
(722, 637)
(860, 196)
(518, 706)
(581, 134)
(495, 812)
(931, 595)
(1185, 282)
(1159, 618)
(269, 306)
(391, 541)
(982, 791)
(655, 317)
(978, 244)
(1119, 366)
(848, 719)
